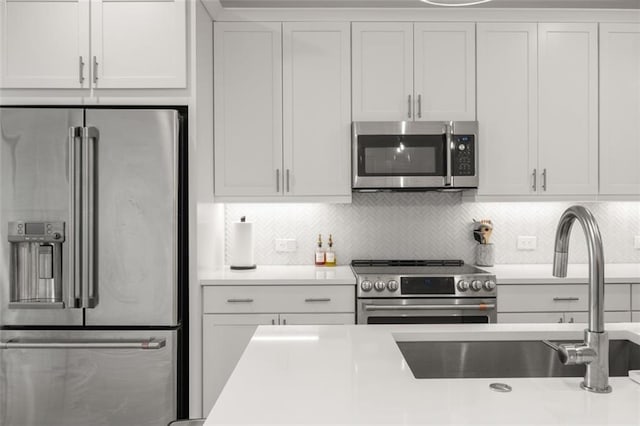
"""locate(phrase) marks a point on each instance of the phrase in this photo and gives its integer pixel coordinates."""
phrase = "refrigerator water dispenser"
(36, 264)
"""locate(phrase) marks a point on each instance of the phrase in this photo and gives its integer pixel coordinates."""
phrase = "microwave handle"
(449, 139)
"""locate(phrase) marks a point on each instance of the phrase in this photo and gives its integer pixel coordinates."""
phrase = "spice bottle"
(320, 255)
(330, 255)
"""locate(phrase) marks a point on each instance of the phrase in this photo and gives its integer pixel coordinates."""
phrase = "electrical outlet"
(527, 243)
(636, 242)
(286, 245)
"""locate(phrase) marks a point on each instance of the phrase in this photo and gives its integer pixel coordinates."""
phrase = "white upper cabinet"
(538, 109)
(568, 108)
(282, 111)
(382, 71)
(138, 44)
(407, 71)
(444, 71)
(75, 44)
(317, 116)
(248, 108)
(507, 113)
(619, 109)
(45, 44)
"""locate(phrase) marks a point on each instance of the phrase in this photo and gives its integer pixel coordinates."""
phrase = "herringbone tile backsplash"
(429, 225)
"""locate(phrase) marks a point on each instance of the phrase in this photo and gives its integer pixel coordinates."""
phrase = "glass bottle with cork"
(320, 254)
(330, 255)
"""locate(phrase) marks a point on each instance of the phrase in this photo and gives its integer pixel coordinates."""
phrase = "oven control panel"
(427, 286)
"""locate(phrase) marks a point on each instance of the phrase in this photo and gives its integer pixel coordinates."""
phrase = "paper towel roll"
(242, 245)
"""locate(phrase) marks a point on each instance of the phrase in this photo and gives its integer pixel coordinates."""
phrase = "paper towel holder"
(243, 219)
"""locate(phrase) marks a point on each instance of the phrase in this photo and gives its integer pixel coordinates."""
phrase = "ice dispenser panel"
(36, 264)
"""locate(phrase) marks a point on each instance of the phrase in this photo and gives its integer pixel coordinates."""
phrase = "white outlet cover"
(527, 242)
(286, 245)
(636, 242)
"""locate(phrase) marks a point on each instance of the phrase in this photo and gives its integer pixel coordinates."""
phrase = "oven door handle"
(476, 307)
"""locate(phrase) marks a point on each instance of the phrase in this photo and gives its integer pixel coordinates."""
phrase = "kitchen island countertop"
(577, 273)
(357, 375)
(280, 275)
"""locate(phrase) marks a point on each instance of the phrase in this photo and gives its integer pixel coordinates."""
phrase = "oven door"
(399, 155)
(426, 311)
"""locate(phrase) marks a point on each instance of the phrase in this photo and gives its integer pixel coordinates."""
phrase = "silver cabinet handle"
(278, 180)
(97, 344)
(480, 306)
(534, 186)
(565, 299)
(448, 148)
(318, 299)
(410, 107)
(239, 300)
(81, 70)
(95, 70)
(419, 106)
(544, 179)
(75, 214)
(288, 181)
(89, 139)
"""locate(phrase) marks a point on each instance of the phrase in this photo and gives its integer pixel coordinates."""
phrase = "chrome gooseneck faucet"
(594, 351)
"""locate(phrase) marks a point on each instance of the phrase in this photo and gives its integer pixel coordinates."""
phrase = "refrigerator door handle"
(75, 214)
(89, 139)
(147, 344)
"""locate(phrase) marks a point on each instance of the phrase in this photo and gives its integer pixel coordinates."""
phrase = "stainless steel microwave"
(407, 155)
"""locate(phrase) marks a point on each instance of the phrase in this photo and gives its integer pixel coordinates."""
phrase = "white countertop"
(357, 375)
(614, 273)
(281, 275)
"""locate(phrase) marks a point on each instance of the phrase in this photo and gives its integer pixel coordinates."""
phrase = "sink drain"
(500, 387)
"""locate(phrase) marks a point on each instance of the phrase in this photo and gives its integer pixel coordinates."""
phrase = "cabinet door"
(317, 319)
(138, 44)
(619, 108)
(248, 108)
(317, 112)
(507, 113)
(382, 61)
(444, 71)
(568, 108)
(609, 316)
(530, 318)
(45, 44)
(225, 338)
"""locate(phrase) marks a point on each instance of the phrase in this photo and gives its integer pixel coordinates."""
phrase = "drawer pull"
(239, 300)
(318, 299)
(565, 299)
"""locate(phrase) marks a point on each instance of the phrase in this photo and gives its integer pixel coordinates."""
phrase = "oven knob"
(366, 285)
(489, 285)
(476, 285)
(463, 285)
(392, 285)
(379, 285)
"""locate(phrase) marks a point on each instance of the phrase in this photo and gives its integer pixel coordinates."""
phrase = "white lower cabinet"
(557, 303)
(232, 314)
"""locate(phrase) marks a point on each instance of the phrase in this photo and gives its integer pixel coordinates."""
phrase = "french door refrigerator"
(92, 266)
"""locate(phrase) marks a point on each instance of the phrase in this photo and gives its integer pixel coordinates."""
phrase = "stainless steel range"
(423, 292)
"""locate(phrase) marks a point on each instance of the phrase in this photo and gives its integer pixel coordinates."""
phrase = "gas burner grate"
(410, 262)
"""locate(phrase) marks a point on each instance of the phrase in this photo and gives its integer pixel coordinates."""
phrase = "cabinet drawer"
(292, 298)
(559, 298)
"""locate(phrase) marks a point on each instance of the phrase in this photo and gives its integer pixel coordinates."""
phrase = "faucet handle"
(573, 354)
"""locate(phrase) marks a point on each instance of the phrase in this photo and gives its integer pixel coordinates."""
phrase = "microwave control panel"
(464, 163)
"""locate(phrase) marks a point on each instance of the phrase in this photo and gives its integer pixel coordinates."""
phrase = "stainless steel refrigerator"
(92, 266)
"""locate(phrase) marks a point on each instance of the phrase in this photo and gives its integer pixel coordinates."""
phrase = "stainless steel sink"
(487, 359)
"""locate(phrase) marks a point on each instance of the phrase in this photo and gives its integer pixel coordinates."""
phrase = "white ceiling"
(553, 4)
